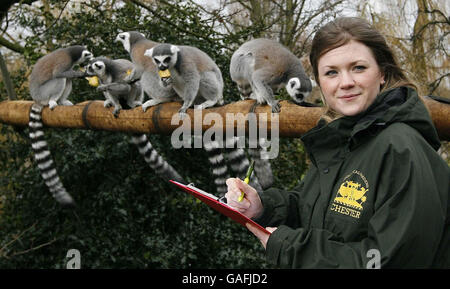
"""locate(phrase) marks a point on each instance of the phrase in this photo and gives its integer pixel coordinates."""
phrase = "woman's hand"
(251, 205)
(262, 236)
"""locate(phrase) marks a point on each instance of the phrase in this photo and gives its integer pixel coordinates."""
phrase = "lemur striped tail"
(239, 163)
(262, 166)
(44, 159)
(220, 169)
(155, 160)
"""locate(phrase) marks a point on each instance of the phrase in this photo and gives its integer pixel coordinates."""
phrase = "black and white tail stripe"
(44, 159)
(239, 163)
(155, 160)
(236, 158)
(220, 169)
(262, 168)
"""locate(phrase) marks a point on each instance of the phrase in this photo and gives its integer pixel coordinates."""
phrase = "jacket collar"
(346, 133)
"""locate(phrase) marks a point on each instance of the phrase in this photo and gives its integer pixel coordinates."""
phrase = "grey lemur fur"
(111, 74)
(145, 70)
(50, 85)
(195, 75)
(261, 66)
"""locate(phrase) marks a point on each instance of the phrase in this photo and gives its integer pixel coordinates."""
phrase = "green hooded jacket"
(376, 193)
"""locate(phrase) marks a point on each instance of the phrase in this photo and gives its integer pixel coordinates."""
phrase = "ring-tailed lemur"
(261, 66)
(51, 84)
(145, 70)
(111, 74)
(194, 74)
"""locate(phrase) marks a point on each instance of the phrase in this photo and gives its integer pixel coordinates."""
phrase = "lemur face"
(96, 68)
(164, 55)
(293, 89)
(124, 38)
(85, 55)
(162, 61)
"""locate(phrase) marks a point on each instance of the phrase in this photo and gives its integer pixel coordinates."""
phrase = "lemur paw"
(144, 107)
(107, 103)
(52, 104)
(276, 107)
(182, 114)
(116, 113)
(116, 110)
(67, 103)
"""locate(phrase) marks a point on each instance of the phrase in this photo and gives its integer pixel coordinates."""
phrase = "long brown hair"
(344, 29)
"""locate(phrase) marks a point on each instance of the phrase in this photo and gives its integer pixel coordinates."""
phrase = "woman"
(376, 193)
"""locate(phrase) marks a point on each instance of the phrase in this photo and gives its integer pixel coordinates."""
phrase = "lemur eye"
(167, 60)
(122, 36)
(157, 61)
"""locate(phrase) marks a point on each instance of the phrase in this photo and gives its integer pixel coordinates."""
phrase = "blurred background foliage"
(126, 216)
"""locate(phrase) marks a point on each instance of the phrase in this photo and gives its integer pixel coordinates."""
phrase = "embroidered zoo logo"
(351, 195)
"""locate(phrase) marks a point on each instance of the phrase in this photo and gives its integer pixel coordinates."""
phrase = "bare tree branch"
(2, 249)
(32, 249)
(435, 84)
(4, 8)
(12, 46)
(164, 19)
(422, 29)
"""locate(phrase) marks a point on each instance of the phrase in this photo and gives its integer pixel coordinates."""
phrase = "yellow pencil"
(247, 179)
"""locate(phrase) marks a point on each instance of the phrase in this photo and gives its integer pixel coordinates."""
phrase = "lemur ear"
(174, 49)
(149, 52)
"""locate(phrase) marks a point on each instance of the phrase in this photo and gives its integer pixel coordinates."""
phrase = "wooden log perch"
(293, 120)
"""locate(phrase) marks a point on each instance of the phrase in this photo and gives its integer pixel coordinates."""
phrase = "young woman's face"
(350, 78)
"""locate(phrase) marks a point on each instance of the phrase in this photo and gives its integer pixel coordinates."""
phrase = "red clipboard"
(217, 205)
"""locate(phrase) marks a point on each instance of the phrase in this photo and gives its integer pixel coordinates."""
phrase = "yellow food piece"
(164, 73)
(93, 81)
(128, 71)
